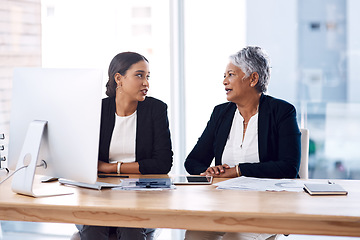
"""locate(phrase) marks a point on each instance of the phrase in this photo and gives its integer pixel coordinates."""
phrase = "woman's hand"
(223, 171)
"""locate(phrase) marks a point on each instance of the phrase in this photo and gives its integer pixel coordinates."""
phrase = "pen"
(112, 175)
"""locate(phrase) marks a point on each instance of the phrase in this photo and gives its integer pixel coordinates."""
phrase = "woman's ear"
(117, 78)
(254, 78)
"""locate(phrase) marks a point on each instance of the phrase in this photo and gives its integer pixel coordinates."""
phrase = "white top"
(238, 151)
(122, 145)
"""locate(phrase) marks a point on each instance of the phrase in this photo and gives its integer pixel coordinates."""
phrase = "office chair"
(304, 160)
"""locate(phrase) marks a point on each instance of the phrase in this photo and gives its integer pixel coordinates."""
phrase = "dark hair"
(120, 64)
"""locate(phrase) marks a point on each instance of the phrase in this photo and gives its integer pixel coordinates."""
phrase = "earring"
(118, 87)
(118, 84)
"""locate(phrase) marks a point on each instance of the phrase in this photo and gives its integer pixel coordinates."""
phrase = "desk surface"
(195, 208)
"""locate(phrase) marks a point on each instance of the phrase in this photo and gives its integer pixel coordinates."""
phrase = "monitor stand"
(23, 180)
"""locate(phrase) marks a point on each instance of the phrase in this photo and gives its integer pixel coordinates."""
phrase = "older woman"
(253, 135)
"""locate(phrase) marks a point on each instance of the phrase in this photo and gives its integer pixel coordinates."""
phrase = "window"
(314, 51)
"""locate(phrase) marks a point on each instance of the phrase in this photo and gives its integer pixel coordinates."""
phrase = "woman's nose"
(146, 82)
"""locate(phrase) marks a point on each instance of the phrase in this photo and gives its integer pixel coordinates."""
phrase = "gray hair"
(253, 59)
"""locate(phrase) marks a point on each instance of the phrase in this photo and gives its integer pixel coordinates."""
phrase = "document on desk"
(145, 184)
(262, 184)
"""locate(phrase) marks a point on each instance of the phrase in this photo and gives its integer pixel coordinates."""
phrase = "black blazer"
(278, 140)
(153, 144)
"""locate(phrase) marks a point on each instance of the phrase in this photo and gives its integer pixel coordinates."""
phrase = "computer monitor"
(59, 108)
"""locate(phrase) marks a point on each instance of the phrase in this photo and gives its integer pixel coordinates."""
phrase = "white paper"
(262, 184)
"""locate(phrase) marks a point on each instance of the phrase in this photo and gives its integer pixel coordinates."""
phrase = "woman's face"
(135, 84)
(237, 87)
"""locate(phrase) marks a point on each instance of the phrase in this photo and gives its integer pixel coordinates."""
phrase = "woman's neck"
(124, 107)
(249, 108)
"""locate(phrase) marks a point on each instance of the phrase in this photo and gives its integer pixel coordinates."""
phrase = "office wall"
(353, 51)
(273, 27)
(20, 46)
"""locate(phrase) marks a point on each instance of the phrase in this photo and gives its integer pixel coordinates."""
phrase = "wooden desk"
(195, 208)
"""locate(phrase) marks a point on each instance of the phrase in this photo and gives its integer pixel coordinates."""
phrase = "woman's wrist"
(106, 167)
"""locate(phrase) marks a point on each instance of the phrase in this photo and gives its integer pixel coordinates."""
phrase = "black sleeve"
(160, 159)
(202, 154)
(106, 127)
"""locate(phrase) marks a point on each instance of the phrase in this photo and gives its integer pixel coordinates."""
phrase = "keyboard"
(96, 185)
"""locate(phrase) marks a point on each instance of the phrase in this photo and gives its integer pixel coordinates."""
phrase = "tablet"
(192, 180)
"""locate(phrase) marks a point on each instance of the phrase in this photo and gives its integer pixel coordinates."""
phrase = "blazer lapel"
(263, 126)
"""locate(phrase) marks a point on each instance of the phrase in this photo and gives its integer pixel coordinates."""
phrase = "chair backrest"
(304, 160)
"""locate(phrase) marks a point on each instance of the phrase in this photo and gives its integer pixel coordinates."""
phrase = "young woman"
(134, 133)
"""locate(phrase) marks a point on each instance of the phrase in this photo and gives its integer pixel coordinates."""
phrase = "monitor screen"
(69, 100)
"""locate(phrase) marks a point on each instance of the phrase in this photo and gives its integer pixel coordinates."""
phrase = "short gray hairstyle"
(253, 59)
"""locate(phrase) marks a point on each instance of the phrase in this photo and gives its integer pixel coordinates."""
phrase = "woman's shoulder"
(276, 103)
(108, 100)
(224, 107)
(108, 103)
(153, 101)
(153, 104)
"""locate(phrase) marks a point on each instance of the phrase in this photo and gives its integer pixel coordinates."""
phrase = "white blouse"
(122, 145)
(238, 151)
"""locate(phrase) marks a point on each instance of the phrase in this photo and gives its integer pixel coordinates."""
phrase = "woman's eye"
(139, 75)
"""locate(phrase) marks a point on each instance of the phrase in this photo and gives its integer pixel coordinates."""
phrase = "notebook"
(324, 189)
